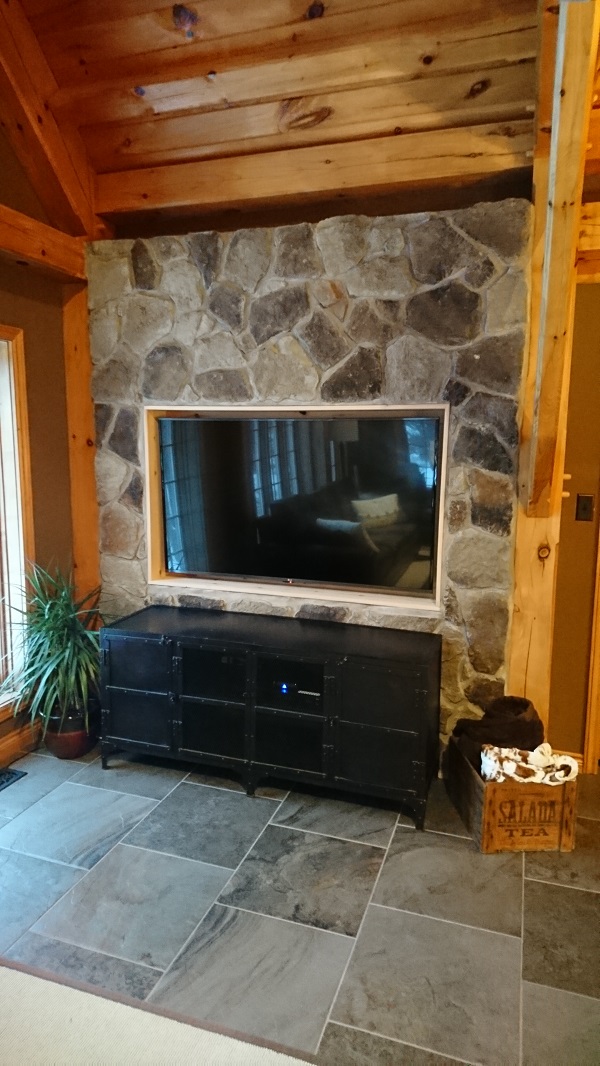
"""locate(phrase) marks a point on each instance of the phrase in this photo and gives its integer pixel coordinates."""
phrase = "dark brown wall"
(577, 551)
(35, 305)
(15, 189)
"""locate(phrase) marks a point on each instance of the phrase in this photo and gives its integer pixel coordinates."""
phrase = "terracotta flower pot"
(67, 737)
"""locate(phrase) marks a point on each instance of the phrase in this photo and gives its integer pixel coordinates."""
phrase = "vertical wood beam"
(536, 558)
(570, 34)
(576, 51)
(18, 736)
(82, 450)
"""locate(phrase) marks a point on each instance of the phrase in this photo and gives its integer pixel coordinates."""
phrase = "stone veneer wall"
(401, 309)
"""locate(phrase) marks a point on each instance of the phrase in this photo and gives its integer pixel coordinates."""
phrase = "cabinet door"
(212, 673)
(376, 758)
(137, 663)
(136, 680)
(289, 721)
(290, 741)
(143, 717)
(388, 695)
(212, 728)
(288, 684)
(212, 705)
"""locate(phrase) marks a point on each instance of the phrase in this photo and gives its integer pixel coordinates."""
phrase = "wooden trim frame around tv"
(158, 575)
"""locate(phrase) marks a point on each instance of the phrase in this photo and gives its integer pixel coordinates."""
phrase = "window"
(16, 531)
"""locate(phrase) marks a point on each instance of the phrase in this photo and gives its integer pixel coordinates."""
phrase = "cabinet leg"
(419, 813)
(250, 783)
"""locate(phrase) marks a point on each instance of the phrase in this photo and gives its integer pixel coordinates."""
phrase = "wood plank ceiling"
(218, 104)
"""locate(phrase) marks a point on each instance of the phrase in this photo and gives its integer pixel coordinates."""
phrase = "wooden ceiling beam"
(475, 48)
(58, 171)
(25, 241)
(578, 26)
(305, 174)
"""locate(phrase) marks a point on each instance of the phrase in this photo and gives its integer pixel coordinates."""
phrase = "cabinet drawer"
(289, 740)
(378, 695)
(212, 729)
(138, 716)
(133, 662)
(369, 756)
(213, 674)
(290, 685)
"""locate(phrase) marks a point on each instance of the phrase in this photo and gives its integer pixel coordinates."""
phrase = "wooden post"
(576, 50)
(82, 450)
(564, 102)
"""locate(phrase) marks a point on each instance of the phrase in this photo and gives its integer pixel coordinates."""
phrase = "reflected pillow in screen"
(379, 511)
(351, 529)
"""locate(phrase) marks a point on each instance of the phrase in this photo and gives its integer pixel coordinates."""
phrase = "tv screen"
(341, 501)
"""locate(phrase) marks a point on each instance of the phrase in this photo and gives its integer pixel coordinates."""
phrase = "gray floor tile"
(561, 945)
(136, 776)
(580, 868)
(441, 815)
(588, 796)
(204, 776)
(204, 823)
(258, 975)
(342, 1046)
(438, 985)
(137, 905)
(43, 775)
(559, 1027)
(78, 964)
(89, 756)
(74, 824)
(306, 878)
(445, 877)
(338, 818)
(27, 888)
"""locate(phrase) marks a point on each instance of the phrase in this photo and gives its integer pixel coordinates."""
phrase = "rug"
(8, 777)
(48, 1022)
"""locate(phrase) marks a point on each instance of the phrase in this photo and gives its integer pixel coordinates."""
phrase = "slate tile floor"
(328, 926)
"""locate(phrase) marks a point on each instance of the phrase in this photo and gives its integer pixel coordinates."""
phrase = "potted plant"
(56, 676)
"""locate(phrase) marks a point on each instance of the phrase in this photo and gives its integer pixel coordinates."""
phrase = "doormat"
(7, 777)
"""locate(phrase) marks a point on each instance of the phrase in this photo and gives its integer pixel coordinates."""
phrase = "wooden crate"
(509, 815)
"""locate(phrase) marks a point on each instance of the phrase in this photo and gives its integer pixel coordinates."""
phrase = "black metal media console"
(352, 707)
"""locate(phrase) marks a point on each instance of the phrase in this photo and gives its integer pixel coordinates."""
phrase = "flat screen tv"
(314, 499)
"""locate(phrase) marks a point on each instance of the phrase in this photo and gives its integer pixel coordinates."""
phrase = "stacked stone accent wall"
(402, 309)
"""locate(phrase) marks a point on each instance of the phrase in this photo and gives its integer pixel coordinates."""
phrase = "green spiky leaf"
(59, 662)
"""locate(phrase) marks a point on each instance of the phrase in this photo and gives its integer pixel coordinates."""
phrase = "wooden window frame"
(19, 418)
